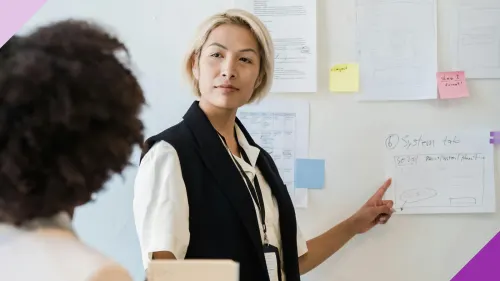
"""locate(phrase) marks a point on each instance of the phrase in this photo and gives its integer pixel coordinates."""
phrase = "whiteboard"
(409, 248)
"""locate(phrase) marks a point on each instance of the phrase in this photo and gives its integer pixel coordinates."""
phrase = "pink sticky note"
(452, 85)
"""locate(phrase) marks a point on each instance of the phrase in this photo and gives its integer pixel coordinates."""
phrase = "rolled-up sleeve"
(301, 242)
(160, 204)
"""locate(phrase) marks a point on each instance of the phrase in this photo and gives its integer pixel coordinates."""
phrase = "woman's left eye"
(245, 60)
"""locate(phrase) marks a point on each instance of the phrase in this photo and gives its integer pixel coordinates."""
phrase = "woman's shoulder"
(111, 272)
(88, 256)
(50, 251)
(92, 264)
(174, 134)
(160, 151)
(168, 141)
(98, 265)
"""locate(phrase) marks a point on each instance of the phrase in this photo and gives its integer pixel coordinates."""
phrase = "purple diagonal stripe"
(14, 14)
(485, 266)
(494, 134)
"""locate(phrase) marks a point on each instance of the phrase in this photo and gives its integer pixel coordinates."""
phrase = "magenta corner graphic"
(14, 14)
(485, 266)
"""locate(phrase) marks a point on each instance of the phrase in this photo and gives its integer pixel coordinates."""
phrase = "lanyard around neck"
(254, 187)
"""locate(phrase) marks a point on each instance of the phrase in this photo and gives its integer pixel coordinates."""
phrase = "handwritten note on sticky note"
(309, 173)
(452, 85)
(344, 78)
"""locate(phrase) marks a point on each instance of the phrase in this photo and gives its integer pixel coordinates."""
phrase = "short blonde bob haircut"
(264, 41)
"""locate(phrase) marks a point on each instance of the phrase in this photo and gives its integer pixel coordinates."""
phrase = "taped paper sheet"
(282, 129)
(440, 172)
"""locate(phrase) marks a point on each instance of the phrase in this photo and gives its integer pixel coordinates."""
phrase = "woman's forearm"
(164, 255)
(324, 246)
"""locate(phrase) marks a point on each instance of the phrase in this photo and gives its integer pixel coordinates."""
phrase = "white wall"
(157, 33)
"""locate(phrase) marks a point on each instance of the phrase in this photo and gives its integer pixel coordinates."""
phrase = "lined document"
(475, 37)
(292, 24)
(397, 49)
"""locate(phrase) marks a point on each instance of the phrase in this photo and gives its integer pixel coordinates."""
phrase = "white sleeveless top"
(48, 250)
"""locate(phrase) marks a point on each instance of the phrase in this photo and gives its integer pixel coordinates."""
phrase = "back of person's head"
(69, 118)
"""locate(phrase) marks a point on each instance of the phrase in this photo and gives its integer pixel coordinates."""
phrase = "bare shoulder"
(111, 272)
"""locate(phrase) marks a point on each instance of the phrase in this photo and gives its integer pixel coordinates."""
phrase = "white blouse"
(161, 206)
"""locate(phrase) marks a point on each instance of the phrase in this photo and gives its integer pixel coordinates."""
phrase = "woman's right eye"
(216, 55)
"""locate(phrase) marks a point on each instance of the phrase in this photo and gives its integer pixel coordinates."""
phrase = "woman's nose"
(229, 69)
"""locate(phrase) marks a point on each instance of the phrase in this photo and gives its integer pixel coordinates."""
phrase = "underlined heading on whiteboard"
(447, 172)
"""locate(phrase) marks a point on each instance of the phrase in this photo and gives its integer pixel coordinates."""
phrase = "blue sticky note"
(309, 173)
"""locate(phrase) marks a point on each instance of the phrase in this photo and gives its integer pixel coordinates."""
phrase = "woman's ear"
(258, 81)
(195, 66)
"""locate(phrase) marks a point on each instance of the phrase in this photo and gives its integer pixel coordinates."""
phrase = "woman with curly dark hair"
(69, 118)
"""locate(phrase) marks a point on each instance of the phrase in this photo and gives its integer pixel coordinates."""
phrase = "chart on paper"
(281, 129)
(475, 38)
(292, 26)
(397, 49)
(440, 173)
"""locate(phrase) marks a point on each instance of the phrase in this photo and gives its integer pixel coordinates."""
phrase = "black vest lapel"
(217, 159)
(288, 223)
(273, 180)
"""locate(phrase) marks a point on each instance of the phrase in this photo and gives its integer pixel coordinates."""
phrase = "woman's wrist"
(350, 226)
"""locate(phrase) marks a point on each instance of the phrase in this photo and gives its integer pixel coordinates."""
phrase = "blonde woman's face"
(228, 67)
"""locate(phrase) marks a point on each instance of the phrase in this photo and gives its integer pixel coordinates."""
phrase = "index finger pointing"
(381, 191)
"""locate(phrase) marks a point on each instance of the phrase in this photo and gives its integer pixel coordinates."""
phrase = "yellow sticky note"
(344, 78)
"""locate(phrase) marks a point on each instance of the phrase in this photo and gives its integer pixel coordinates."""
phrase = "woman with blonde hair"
(206, 190)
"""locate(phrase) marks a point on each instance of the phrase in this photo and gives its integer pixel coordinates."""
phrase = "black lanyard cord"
(254, 187)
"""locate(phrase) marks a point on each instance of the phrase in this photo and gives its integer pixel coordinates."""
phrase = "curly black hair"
(69, 118)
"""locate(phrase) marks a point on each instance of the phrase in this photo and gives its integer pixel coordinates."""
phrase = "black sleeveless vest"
(222, 219)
